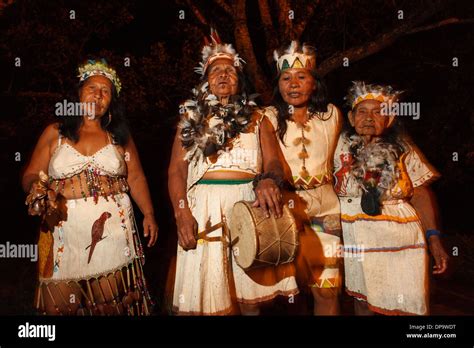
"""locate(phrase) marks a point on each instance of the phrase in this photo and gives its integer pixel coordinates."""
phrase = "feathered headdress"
(361, 91)
(296, 57)
(93, 68)
(214, 49)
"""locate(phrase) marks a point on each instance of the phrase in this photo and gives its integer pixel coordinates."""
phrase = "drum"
(260, 241)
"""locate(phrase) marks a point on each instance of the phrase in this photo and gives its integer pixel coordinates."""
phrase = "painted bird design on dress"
(97, 232)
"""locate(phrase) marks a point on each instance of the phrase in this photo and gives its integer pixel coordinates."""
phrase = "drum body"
(260, 241)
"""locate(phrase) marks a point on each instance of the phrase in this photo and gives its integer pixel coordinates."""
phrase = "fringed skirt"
(208, 280)
(385, 258)
(91, 264)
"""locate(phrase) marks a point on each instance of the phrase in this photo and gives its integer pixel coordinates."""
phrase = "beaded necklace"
(303, 141)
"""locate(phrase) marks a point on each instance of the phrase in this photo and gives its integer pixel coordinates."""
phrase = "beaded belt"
(94, 185)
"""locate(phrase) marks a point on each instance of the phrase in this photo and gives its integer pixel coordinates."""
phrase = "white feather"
(275, 55)
(293, 47)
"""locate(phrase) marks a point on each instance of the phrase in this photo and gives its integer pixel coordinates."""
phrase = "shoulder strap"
(108, 137)
(59, 138)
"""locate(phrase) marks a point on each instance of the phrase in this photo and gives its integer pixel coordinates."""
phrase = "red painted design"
(342, 174)
(97, 231)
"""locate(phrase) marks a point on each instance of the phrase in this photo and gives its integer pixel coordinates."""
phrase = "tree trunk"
(245, 48)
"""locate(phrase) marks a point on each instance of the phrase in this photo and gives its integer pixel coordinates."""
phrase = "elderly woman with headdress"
(90, 256)
(388, 212)
(308, 128)
(221, 148)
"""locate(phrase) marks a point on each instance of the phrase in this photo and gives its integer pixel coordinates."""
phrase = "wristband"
(269, 175)
(430, 233)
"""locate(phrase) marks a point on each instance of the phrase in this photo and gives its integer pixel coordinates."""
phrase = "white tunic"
(308, 158)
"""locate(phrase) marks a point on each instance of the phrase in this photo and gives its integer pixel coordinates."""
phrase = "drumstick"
(202, 234)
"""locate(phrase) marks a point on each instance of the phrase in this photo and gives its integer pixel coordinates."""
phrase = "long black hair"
(118, 126)
(317, 103)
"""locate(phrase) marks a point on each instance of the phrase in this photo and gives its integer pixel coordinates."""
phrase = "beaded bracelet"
(268, 175)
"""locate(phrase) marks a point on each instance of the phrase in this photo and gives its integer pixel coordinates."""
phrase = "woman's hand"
(150, 228)
(439, 254)
(187, 229)
(269, 198)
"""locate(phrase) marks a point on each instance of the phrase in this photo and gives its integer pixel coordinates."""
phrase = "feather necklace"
(207, 125)
(375, 169)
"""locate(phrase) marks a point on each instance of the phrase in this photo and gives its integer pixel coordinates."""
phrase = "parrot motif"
(96, 232)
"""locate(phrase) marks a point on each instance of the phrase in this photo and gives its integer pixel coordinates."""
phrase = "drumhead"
(242, 226)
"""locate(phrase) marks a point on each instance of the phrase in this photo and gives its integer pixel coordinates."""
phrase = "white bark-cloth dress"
(75, 256)
(208, 280)
(308, 158)
(385, 256)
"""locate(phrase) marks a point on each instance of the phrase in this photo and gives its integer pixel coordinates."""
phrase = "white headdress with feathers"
(361, 91)
(214, 50)
(296, 57)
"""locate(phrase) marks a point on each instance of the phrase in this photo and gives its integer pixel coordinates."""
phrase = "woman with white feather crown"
(223, 152)
(388, 212)
(308, 127)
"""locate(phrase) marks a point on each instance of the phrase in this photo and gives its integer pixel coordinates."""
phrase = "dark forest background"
(414, 53)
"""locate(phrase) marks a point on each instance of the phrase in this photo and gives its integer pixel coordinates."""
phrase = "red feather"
(215, 37)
